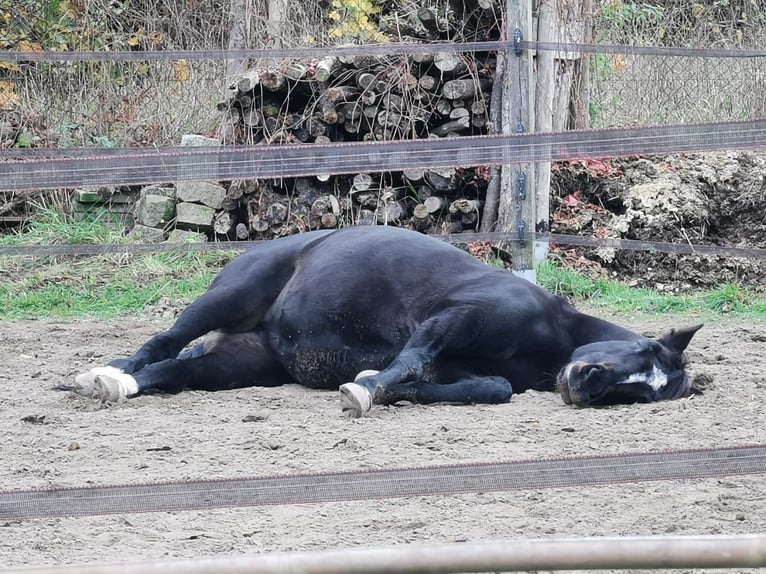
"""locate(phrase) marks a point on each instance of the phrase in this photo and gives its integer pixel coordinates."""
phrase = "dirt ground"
(51, 438)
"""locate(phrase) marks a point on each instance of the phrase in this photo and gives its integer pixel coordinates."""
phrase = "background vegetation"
(154, 103)
(163, 284)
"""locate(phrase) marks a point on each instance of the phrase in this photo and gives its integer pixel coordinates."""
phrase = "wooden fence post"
(516, 211)
(544, 97)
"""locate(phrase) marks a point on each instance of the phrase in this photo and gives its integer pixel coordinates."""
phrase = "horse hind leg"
(468, 390)
(224, 361)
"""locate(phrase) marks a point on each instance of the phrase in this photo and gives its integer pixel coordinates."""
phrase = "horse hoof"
(355, 400)
(114, 386)
(85, 383)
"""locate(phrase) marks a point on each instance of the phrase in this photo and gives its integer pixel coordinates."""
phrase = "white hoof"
(355, 400)
(113, 385)
(85, 383)
(107, 384)
(365, 373)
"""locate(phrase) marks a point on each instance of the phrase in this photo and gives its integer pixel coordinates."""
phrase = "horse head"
(623, 372)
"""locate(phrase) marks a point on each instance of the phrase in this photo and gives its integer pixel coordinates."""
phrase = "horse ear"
(678, 339)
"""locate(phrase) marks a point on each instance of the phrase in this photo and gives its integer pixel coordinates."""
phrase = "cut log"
(407, 82)
(316, 126)
(324, 68)
(440, 180)
(248, 81)
(327, 111)
(239, 187)
(364, 80)
(424, 192)
(245, 102)
(423, 58)
(435, 204)
(393, 102)
(258, 224)
(328, 221)
(352, 111)
(450, 63)
(297, 71)
(391, 212)
(427, 82)
(478, 107)
(241, 232)
(224, 223)
(442, 107)
(325, 204)
(465, 206)
(251, 119)
(361, 182)
(341, 94)
(465, 88)
(276, 213)
(458, 113)
(363, 62)
(273, 80)
(271, 110)
(452, 126)
(368, 97)
(413, 175)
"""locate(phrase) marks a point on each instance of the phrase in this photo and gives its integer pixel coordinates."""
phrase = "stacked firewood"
(360, 98)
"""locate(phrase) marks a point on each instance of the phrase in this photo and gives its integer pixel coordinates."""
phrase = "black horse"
(411, 317)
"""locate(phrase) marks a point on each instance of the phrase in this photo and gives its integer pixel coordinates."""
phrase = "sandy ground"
(52, 438)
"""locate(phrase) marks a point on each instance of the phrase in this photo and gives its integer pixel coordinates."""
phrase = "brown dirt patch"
(712, 199)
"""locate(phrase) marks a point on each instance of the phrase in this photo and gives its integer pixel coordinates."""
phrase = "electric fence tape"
(389, 483)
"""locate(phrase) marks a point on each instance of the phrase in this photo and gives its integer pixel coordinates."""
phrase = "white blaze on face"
(655, 378)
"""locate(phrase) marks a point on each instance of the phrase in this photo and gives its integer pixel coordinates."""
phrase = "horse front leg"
(453, 329)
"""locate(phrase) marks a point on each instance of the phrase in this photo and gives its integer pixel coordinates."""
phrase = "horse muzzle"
(581, 383)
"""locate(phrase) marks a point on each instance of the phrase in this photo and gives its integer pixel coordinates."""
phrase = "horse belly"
(325, 362)
(326, 330)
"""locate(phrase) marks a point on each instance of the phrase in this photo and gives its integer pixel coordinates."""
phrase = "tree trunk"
(277, 11)
(239, 12)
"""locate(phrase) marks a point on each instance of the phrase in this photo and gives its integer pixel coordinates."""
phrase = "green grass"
(617, 296)
(112, 285)
(99, 286)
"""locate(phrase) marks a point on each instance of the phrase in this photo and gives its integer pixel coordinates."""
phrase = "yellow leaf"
(181, 71)
(157, 38)
(27, 46)
(10, 67)
(698, 10)
(619, 63)
(9, 99)
(136, 37)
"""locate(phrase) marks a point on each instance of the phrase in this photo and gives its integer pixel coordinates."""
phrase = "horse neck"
(588, 329)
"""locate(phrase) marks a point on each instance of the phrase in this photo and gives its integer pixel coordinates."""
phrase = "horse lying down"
(406, 317)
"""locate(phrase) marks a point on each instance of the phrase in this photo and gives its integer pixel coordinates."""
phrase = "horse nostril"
(591, 370)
